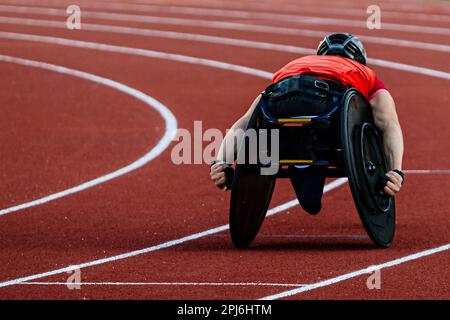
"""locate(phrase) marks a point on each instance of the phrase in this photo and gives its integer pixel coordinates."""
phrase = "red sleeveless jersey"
(346, 71)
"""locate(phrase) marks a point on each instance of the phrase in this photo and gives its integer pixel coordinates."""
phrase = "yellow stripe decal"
(302, 120)
(296, 161)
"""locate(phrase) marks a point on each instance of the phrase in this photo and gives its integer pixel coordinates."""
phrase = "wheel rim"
(373, 165)
(358, 134)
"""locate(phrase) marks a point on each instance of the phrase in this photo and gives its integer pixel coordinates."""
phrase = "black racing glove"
(383, 180)
(401, 174)
(229, 175)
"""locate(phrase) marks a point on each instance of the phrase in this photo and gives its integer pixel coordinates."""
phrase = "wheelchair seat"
(302, 96)
(306, 111)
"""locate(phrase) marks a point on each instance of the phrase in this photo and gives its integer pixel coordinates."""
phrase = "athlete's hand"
(394, 185)
(217, 174)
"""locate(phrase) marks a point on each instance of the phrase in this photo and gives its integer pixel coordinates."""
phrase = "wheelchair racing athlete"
(340, 61)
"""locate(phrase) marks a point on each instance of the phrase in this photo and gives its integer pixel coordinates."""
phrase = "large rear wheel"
(365, 163)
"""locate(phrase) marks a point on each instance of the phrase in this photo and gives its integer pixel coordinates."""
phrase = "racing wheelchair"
(328, 125)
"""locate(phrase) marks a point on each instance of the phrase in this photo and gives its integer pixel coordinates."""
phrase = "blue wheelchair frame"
(329, 126)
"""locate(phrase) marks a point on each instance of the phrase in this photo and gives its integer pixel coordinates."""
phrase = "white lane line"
(334, 184)
(275, 6)
(242, 14)
(194, 284)
(161, 34)
(410, 68)
(357, 273)
(139, 52)
(422, 171)
(170, 131)
(237, 26)
(189, 10)
(177, 22)
(200, 61)
(297, 19)
(405, 43)
(220, 40)
(285, 7)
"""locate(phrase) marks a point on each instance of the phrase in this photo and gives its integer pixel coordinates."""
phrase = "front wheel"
(251, 193)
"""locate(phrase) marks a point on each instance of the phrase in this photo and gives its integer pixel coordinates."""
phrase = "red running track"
(60, 131)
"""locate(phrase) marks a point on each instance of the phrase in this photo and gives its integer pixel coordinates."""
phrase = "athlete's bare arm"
(217, 173)
(386, 119)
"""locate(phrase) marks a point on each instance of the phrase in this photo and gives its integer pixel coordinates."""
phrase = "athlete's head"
(344, 45)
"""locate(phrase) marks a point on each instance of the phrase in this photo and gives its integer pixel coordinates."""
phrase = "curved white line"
(298, 19)
(162, 34)
(170, 122)
(138, 52)
(170, 119)
(201, 61)
(221, 40)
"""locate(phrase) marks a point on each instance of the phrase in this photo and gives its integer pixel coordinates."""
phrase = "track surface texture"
(87, 180)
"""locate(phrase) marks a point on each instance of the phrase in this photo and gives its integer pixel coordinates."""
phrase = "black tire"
(365, 163)
(250, 198)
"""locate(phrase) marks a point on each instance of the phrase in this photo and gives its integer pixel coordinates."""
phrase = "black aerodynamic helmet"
(344, 45)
